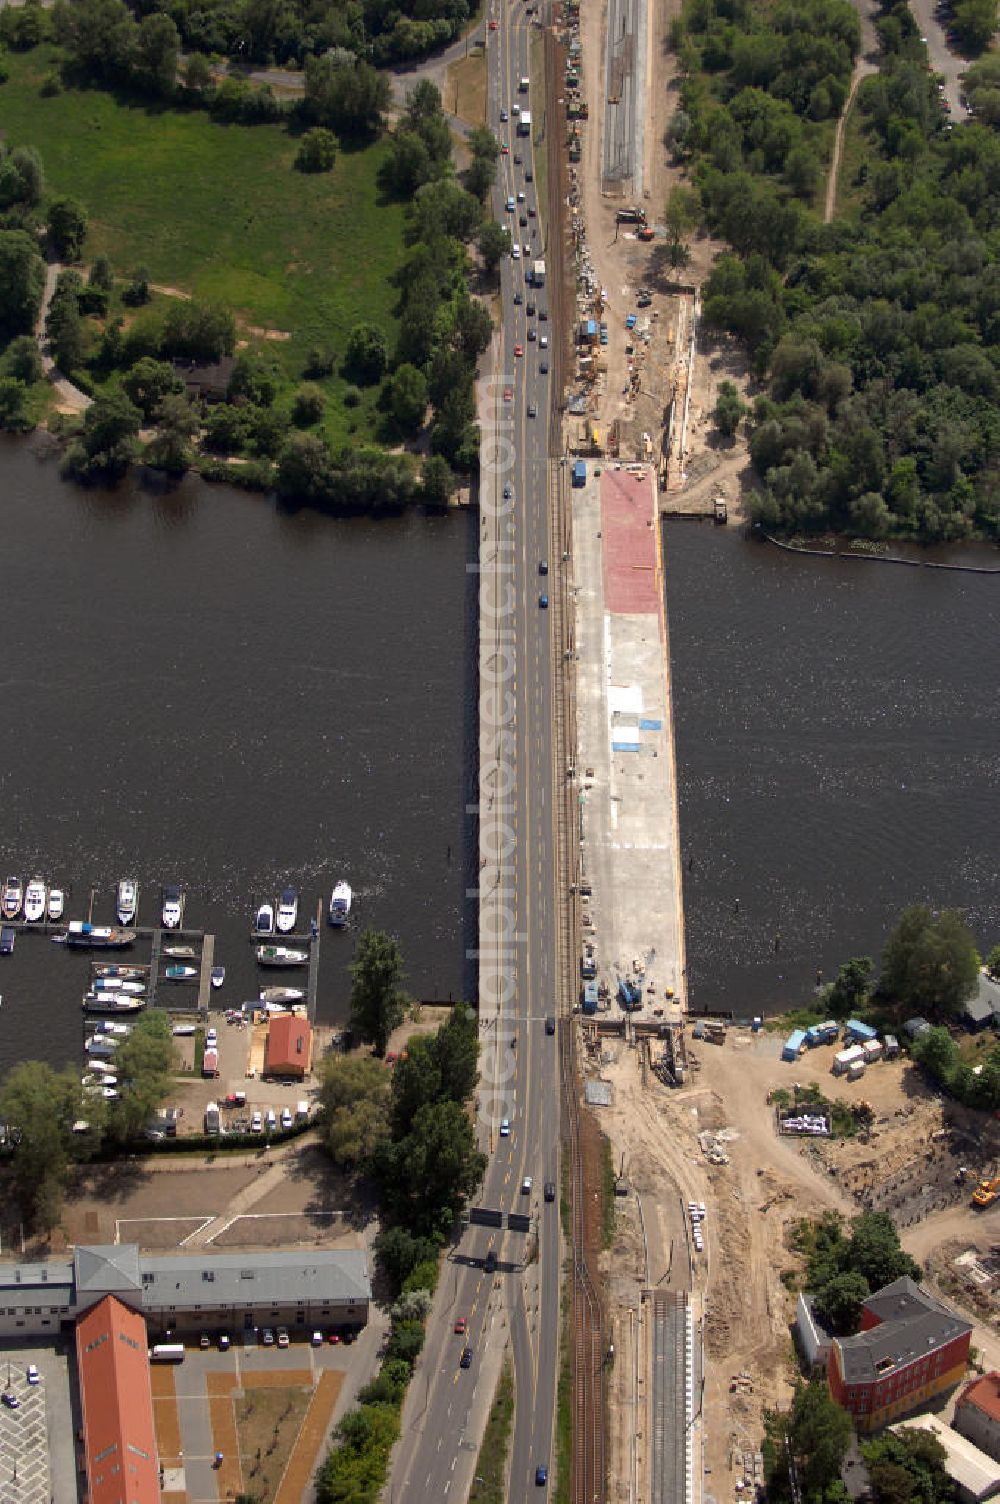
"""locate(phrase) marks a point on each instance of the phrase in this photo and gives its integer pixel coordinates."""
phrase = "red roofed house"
(289, 1047)
(977, 1413)
(117, 1405)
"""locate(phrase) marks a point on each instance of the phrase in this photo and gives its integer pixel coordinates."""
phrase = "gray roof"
(317, 1277)
(988, 993)
(915, 1026)
(107, 1268)
(979, 1009)
(49, 1283)
(911, 1325)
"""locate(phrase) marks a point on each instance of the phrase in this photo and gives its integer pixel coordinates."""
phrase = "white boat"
(281, 955)
(112, 1002)
(108, 1093)
(34, 900)
(264, 922)
(101, 1044)
(128, 973)
(288, 911)
(13, 897)
(180, 973)
(117, 984)
(182, 1031)
(117, 1031)
(128, 900)
(218, 975)
(340, 905)
(180, 952)
(173, 907)
(281, 994)
(56, 904)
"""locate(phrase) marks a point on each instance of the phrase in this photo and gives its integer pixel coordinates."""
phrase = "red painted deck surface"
(628, 528)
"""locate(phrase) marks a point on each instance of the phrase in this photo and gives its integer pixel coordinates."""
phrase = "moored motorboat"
(34, 900)
(180, 952)
(281, 955)
(127, 900)
(127, 973)
(182, 1031)
(12, 898)
(97, 936)
(288, 911)
(112, 1002)
(218, 976)
(56, 904)
(340, 904)
(118, 984)
(180, 973)
(264, 922)
(172, 911)
(281, 994)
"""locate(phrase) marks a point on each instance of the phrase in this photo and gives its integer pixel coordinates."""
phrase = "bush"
(352, 396)
(307, 406)
(317, 151)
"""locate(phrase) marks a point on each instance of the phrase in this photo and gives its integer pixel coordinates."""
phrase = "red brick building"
(909, 1349)
(117, 1405)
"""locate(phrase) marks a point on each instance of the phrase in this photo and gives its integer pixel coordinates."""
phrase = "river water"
(199, 688)
(838, 746)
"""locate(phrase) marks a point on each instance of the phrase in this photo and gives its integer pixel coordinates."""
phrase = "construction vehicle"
(986, 1192)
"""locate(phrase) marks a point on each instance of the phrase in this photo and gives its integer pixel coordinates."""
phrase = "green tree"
(349, 97)
(730, 409)
(176, 424)
(399, 1252)
(13, 405)
(405, 398)
(494, 244)
(682, 212)
(850, 987)
(427, 1175)
(908, 1465)
(157, 48)
(814, 1434)
(929, 963)
(22, 281)
(64, 327)
(108, 442)
(378, 1001)
(993, 962)
(437, 481)
(874, 1252)
(148, 382)
(101, 274)
(197, 72)
(198, 331)
(22, 360)
(317, 151)
(839, 1301)
(365, 357)
(456, 1051)
(308, 406)
(938, 1053)
(353, 1092)
(43, 1105)
(22, 180)
(305, 470)
(253, 379)
(144, 1063)
(67, 226)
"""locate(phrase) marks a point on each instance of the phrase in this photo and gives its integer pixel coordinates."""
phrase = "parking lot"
(37, 1462)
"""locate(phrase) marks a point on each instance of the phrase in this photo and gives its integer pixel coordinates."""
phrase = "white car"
(543, 342)
(272, 1121)
(33, 1376)
(211, 1040)
(317, 1339)
(505, 1127)
(526, 1186)
(256, 1123)
(286, 1117)
(515, 252)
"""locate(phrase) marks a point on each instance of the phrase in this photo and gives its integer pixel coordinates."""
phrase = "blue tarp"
(854, 1029)
(793, 1045)
(630, 746)
(650, 725)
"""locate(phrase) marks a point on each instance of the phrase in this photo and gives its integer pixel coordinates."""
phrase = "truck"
(212, 1120)
(873, 1050)
(580, 473)
(633, 216)
(986, 1193)
(522, 85)
(524, 123)
(537, 277)
(844, 1059)
(855, 1070)
(210, 1064)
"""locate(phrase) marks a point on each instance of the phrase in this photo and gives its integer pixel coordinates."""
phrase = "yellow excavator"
(986, 1192)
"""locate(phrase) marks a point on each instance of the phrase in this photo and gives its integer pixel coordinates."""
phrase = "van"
(167, 1352)
(302, 1111)
(272, 1121)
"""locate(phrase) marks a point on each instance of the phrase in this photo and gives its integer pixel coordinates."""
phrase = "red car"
(493, 26)
(505, 150)
(508, 394)
(460, 1327)
(518, 349)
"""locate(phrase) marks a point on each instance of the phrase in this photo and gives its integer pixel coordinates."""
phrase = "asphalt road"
(943, 60)
(436, 1457)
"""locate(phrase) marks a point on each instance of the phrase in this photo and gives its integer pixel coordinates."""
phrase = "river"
(200, 688)
(838, 747)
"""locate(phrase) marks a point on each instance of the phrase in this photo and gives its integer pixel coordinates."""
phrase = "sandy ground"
(905, 1162)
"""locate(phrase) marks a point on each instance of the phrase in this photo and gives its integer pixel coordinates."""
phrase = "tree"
(144, 1063)
(43, 1105)
(100, 38)
(929, 963)
(22, 180)
(399, 1252)
(176, 424)
(814, 1434)
(13, 405)
(157, 48)
(850, 987)
(993, 962)
(148, 382)
(427, 1175)
(353, 1094)
(307, 406)
(22, 281)
(366, 355)
(64, 326)
(22, 360)
(494, 244)
(437, 481)
(107, 444)
(873, 1251)
(456, 1052)
(317, 151)
(305, 470)
(101, 274)
(839, 1301)
(682, 212)
(938, 1053)
(730, 409)
(67, 226)
(197, 72)
(350, 97)
(906, 1465)
(198, 331)
(378, 1001)
(405, 398)
(253, 379)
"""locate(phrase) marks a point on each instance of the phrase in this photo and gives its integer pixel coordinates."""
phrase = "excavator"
(986, 1192)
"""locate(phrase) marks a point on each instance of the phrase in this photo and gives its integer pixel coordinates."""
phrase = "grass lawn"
(491, 1467)
(220, 212)
(268, 1422)
(465, 89)
(857, 150)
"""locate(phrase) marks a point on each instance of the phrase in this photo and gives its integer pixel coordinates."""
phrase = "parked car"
(317, 1339)
(10, 1399)
(223, 1342)
(286, 1117)
(257, 1123)
(267, 1337)
(32, 1375)
(204, 1341)
(283, 1336)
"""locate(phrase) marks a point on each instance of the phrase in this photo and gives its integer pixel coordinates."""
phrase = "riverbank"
(869, 552)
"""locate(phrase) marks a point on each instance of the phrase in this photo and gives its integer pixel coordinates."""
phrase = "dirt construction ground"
(906, 1162)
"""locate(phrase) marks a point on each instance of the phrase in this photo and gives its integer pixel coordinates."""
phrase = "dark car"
(524, 221)
(530, 310)
(532, 336)
(550, 1025)
(490, 1261)
(517, 158)
(532, 410)
(543, 315)
(541, 1475)
(465, 1361)
(529, 176)
(550, 1190)
(544, 368)
(543, 566)
(543, 602)
(507, 493)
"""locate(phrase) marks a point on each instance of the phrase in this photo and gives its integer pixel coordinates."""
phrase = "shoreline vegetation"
(282, 296)
(873, 336)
